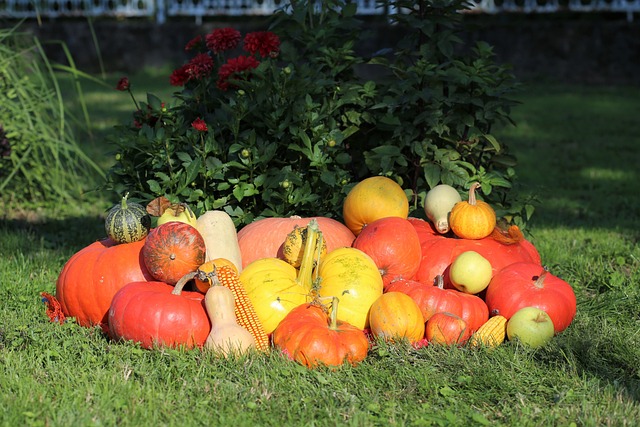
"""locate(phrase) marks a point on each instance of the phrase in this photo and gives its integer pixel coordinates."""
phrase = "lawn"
(578, 154)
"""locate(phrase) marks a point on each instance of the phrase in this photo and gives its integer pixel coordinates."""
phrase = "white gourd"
(220, 237)
(438, 203)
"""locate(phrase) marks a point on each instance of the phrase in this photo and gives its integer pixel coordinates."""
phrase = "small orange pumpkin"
(395, 315)
(472, 219)
(208, 268)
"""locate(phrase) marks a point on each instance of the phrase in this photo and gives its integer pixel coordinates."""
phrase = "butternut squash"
(227, 337)
(220, 237)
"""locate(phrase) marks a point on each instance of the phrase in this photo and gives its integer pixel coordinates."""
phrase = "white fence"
(161, 10)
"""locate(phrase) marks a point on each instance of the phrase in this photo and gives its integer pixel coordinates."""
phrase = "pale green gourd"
(438, 203)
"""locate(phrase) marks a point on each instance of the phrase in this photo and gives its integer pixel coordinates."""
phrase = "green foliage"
(293, 135)
(40, 160)
(439, 107)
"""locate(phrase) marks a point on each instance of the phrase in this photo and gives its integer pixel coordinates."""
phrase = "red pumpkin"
(528, 284)
(435, 298)
(447, 329)
(312, 338)
(394, 246)
(91, 277)
(172, 250)
(264, 238)
(439, 251)
(156, 315)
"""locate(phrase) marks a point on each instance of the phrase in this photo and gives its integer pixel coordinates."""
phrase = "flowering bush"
(278, 122)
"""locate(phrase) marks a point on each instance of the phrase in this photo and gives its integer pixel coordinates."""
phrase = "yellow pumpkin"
(371, 199)
(275, 287)
(472, 219)
(353, 277)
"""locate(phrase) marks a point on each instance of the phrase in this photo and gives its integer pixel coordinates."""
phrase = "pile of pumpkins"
(319, 290)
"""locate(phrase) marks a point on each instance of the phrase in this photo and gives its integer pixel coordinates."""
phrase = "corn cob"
(244, 310)
(492, 333)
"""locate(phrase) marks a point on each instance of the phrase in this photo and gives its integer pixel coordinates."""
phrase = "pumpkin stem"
(439, 281)
(124, 201)
(177, 289)
(310, 252)
(472, 193)
(333, 315)
(539, 281)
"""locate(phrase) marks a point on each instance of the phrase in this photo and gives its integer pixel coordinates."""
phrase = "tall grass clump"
(41, 161)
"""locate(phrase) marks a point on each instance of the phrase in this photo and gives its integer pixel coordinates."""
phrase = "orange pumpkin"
(472, 219)
(395, 315)
(265, 237)
(173, 250)
(371, 199)
(314, 338)
(91, 277)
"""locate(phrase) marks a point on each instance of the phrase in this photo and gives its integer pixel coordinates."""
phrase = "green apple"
(532, 326)
(178, 212)
(470, 272)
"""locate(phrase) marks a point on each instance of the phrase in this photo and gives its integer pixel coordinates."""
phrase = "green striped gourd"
(127, 222)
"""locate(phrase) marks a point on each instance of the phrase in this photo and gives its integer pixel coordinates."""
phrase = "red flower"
(123, 84)
(222, 39)
(180, 76)
(264, 42)
(200, 66)
(233, 66)
(199, 125)
(193, 44)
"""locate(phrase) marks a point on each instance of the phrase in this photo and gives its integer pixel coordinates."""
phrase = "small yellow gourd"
(294, 244)
(472, 219)
(491, 334)
(227, 337)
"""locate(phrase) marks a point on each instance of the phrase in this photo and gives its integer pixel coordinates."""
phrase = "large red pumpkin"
(435, 298)
(312, 337)
(151, 314)
(528, 284)
(394, 246)
(439, 251)
(264, 238)
(91, 277)
(173, 250)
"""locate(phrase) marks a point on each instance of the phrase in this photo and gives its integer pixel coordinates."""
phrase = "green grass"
(578, 153)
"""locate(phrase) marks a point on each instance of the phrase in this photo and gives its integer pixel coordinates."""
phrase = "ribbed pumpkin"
(353, 277)
(314, 338)
(491, 334)
(156, 314)
(264, 238)
(525, 284)
(173, 250)
(91, 277)
(472, 219)
(127, 222)
(395, 315)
